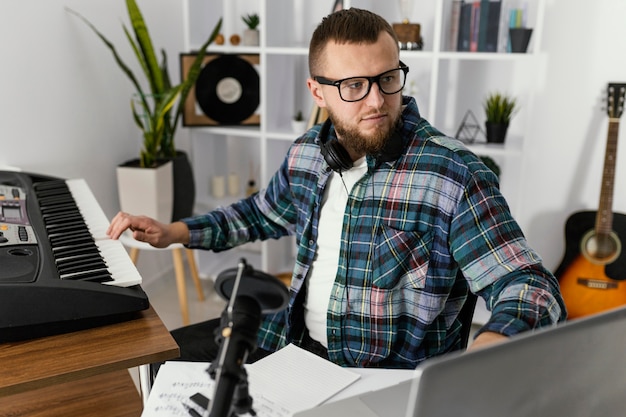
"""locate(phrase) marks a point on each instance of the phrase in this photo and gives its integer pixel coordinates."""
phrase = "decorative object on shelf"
(499, 109)
(298, 124)
(251, 187)
(218, 186)
(408, 33)
(233, 184)
(519, 38)
(219, 39)
(491, 164)
(519, 33)
(156, 116)
(226, 92)
(235, 39)
(469, 129)
(251, 34)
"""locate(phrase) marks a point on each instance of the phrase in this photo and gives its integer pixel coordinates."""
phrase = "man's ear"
(316, 92)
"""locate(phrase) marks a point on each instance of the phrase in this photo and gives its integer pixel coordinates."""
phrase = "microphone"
(238, 341)
(250, 294)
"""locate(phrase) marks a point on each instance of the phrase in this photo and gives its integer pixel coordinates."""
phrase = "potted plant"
(298, 124)
(251, 35)
(157, 113)
(499, 109)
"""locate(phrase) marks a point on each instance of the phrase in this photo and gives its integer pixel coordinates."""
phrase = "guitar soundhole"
(600, 249)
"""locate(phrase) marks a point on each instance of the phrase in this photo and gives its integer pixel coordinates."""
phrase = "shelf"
(284, 50)
(244, 131)
(484, 56)
(446, 84)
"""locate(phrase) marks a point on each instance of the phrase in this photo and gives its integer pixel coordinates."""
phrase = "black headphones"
(338, 158)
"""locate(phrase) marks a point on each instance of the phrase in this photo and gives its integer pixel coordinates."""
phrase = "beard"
(355, 140)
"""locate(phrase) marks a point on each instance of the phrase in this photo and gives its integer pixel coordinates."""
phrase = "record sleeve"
(227, 91)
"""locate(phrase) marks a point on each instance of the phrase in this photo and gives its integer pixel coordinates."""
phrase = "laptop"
(577, 368)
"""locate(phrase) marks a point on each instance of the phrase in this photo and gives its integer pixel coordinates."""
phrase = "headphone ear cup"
(336, 156)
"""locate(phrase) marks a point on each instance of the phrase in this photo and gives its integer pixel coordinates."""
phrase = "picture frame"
(229, 90)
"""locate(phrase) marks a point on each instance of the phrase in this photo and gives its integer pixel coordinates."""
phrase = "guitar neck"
(604, 219)
(615, 107)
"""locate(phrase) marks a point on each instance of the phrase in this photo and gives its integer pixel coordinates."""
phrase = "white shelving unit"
(445, 83)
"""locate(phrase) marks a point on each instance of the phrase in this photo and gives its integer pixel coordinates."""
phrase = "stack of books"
(477, 25)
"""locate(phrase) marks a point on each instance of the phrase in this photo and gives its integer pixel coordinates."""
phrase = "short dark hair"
(346, 26)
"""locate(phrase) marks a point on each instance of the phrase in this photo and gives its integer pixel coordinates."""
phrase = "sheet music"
(281, 384)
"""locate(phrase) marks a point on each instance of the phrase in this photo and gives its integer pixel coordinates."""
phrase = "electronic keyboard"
(59, 271)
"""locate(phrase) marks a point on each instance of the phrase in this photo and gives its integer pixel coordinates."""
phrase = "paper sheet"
(281, 384)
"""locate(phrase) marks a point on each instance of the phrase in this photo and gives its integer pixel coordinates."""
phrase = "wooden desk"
(62, 359)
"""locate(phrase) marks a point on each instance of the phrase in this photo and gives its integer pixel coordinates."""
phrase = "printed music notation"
(275, 384)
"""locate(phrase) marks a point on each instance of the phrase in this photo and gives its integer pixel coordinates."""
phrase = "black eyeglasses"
(357, 88)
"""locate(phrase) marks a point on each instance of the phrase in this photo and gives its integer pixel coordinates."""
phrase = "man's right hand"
(146, 229)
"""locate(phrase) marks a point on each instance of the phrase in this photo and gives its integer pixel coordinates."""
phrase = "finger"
(119, 224)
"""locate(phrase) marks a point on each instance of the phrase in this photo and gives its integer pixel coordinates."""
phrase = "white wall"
(65, 111)
(585, 45)
(64, 107)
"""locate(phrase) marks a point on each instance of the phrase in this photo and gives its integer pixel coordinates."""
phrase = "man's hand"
(146, 229)
(486, 339)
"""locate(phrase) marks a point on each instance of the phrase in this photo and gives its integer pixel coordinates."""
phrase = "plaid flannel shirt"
(409, 225)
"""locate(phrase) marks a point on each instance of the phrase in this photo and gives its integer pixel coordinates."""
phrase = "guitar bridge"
(596, 284)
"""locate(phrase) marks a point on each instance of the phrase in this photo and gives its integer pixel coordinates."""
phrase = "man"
(386, 211)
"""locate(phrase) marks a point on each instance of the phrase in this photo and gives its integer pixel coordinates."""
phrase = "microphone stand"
(240, 323)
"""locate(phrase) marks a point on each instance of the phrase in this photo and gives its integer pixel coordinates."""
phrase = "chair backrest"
(466, 315)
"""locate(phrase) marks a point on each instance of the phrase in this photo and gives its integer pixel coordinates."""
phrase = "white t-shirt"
(323, 271)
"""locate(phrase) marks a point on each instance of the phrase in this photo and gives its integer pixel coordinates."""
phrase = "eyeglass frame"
(371, 81)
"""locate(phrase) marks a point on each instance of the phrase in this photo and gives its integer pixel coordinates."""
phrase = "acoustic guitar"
(592, 273)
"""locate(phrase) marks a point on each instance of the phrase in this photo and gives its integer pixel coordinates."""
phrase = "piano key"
(95, 275)
(76, 227)
(123, 271)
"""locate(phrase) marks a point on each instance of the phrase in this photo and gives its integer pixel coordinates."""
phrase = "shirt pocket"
(400, 258)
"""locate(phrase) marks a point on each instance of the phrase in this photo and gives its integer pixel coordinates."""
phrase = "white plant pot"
(146, 191)
(251, 37)
(298, 126)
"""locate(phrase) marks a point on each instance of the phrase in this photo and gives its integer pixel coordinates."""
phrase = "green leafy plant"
(299, 117)
(499, 108)
(156, 117)
(251, 20)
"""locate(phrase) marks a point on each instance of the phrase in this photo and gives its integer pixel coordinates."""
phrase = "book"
(475, 26)
(455, 17)
(493, 26)
(465, 21)
(483, 21)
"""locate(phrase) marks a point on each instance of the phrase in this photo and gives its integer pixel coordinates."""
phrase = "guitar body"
(590, 285)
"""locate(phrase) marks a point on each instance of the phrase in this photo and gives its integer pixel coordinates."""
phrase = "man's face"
(362, 126)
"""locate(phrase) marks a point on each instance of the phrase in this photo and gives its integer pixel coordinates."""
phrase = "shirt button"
(311, 242)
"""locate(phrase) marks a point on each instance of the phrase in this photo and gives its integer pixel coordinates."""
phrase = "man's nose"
(375, 97)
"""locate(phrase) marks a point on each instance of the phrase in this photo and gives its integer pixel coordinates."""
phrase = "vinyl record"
(227, 89)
